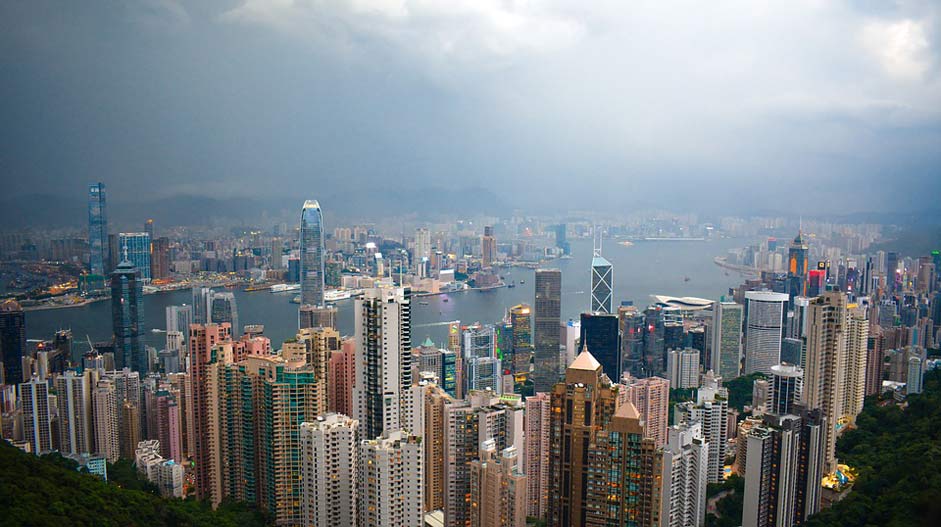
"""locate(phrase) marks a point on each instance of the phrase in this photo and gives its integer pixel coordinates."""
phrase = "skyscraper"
(135, 247)
(684, 477)
(498, 488)
(832, 383)
(481, 366)
(764, 331)
(727, 339)
(127, 317)
(603, 471)
(389, 482)
(546, 336)
(330, 466)
(12, 341)
(312, 254)
(203, 354)
(522, 349)
(74, 400)
(536, 467)
(786, 384)
(651, 397)
(782, 479)
(223, 309)
(37, 419)
(383, 360)
(105, 410)
(602, 283)
(98, 230)
(488, 248)
(711, 410)
(600, 333)
(160, 258)
(797, 266)
(683, 368)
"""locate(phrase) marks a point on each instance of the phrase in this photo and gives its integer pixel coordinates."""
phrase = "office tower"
(711, 410)
(684, 475)
(135, 248)
(786, 384)
(340, 378)
(37, 419)
(892, 273)
(522, 344)
(223, 309)
(727, 339)
(312, 254)
(422, 250)
(12, 341)
(127, 316)
(73, 397)
(498, 489)
(328, 451)
(488, 248)
(633, 328)
(536, 466)
(914, 376)
(98, 245)
(317, 317)
(160, 258)
(202, 306)
(602, 470)
(389, 482)
(105, 412)
(798, 264)
(179, 318)
(204, 339)
(764, 329)
(383, 360)
(546, 318)
(651, 397)
(601, 335)
(782, 479)
(602, 283)
(481, 366)
(683, 368)
(454, 336)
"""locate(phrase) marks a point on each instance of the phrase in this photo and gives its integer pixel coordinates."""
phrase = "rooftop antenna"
(597, 241)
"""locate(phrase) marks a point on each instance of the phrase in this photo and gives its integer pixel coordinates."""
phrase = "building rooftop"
(585, 361)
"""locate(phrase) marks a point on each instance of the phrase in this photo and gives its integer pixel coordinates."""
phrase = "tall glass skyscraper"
(602, 284)
(546, 334)
(127, 316)
(136, 246)
(97, 229)
(312, 249)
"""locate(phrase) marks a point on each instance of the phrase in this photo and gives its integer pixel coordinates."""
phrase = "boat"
(332, 295)
(686, 279)
(510, 286)
(284, 288)
(522, 281)
(445, 299)
(423, 303)
(155, 330)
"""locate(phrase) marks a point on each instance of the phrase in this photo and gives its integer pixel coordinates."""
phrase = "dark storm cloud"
(678, 104)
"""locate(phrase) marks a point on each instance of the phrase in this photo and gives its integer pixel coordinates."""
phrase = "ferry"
(284, 288)
(332, 295)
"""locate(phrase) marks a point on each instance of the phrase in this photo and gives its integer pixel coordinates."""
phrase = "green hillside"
(49, 491)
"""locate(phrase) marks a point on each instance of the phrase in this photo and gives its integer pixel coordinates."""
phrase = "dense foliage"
(49, 491)
(740, 390)
(898, 455)
(729, 506)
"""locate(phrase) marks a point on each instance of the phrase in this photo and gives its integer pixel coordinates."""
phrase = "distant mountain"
(58, 211)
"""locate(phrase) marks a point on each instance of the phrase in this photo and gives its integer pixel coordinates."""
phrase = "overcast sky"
(798, 104)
